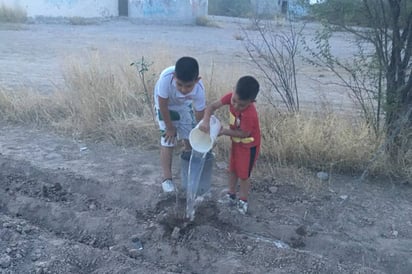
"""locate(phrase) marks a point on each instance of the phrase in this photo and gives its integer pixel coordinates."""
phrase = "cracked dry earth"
(68, 209)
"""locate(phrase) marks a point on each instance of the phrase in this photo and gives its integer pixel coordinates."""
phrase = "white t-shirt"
(166, 88)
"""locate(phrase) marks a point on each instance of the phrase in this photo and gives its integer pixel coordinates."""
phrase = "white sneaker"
(168, 186)
(227, 200)
(242, 207)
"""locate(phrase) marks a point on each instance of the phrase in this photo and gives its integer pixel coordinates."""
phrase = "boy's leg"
(230, 196)
(187, 150)
(186, 124)
(232, 183)
(246, 159)
(244, 189)
(233, 178)
(166, 154)
(186, 145)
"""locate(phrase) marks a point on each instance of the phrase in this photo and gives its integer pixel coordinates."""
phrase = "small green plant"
(142, 67)
(12, 15)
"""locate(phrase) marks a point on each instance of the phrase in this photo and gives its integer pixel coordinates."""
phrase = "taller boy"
(180, 103)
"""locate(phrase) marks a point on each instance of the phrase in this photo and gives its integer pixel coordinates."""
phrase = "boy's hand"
(170, 135)
(221, 131)
(205, 127)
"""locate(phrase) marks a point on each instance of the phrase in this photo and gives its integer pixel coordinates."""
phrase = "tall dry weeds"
(104, 99)
(321, 141)
(12, 14)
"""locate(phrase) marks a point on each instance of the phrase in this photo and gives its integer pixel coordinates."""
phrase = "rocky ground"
(70, 207)
(67, 206)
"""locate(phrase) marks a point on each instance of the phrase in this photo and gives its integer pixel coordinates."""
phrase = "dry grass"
(105, 100)
(206, 22)
(316, 140)
(81, 21)
(30, 107)
(12, 15)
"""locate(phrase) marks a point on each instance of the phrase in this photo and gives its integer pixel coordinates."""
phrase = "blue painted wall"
(65, 8)
(169, 10)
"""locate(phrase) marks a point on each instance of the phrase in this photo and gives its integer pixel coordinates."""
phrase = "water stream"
(196, 164)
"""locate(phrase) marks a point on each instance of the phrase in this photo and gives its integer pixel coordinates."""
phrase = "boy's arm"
(199, 115)
(248, 124)
(210, 109)
(170, 134)
(234, 133)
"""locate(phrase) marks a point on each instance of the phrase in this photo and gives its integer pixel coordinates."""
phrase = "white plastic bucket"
(201, 141)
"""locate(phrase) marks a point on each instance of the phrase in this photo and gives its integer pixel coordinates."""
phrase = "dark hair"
(187, 69)
(247, 88)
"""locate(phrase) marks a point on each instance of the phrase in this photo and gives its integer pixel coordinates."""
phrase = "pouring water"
(196, 164)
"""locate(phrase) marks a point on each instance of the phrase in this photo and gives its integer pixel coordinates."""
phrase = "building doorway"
(284, 7)
(123, 7)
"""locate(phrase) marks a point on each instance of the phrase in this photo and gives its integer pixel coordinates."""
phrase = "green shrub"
(340, 12)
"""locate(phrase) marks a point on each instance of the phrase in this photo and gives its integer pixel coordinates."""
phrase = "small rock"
(137, 244)
(134, 253)
(118, 248)
(176, 233)
(221, 165)
(5, 261)
(36, 255)
(297, 242)
(135, 238)
(273, 189)
(343, 197)
(280, 244)
(323, 176)
(301, 230)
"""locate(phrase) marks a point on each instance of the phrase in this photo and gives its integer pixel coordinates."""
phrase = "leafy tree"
(387, 26)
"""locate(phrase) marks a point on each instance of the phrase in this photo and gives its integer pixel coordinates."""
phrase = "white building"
(146, 9)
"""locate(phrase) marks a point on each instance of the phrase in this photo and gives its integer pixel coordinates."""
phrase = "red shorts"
(242, 160)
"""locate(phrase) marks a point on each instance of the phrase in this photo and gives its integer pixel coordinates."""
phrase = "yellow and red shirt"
(246, 120)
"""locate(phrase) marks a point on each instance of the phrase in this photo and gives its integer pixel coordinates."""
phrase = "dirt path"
(72, 207)
(64, 210)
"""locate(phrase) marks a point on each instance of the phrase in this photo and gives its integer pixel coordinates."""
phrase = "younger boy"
(178, 92)
(244, 131)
